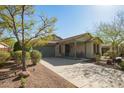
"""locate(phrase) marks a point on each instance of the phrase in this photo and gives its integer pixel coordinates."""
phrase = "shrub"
(17, 46)
(106, 54)
(12, 54)
(4, 56)
(28, 47)
(111, 54)
(18, 56)
(23, 82)
(121, 64)
(35, 56)
(97, 58)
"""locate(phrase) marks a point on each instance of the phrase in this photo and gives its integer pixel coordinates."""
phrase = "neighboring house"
(4, 47)
(80, 46)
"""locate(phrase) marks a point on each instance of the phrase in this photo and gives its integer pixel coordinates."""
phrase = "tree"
(112, 32)
(18, 22)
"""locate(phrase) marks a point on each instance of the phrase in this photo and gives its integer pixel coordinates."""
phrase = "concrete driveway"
(84, 74)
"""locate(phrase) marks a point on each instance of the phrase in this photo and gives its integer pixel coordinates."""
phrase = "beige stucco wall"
(57, 50)
(89, 50)
(63, 49)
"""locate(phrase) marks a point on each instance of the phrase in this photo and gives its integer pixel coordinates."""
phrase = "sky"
(75, 20)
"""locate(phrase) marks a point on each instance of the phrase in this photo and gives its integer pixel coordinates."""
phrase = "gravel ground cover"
(84, 74)
(40, 77)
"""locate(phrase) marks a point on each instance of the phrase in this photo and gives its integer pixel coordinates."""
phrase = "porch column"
(100, 49)
(75, 51)
(63, 50)
(85, 49)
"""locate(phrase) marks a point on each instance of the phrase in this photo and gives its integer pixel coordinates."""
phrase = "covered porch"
(78, 49)
(80, 46)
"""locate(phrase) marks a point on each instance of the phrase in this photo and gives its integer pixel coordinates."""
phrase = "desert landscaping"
(40, 77)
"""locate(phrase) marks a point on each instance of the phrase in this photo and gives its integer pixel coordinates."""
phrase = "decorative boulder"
(109, 62)
(24, 74)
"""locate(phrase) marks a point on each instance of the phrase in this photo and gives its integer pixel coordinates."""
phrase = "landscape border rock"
(24, 74)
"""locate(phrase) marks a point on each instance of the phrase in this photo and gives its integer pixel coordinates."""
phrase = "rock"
(24, 74)
(109, 62)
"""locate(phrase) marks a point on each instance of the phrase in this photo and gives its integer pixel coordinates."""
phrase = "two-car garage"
(47, 51)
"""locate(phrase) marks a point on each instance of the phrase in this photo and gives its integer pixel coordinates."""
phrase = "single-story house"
(79, 46)
(4, 47)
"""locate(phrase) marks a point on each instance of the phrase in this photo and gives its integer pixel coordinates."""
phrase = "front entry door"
(67, 49)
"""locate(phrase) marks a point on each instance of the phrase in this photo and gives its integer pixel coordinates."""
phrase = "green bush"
(12, 54)
(111, 54)
(4, 56)
(97, 58)
(28, 48)
(35, 56)
(106, 54)
(23, 82)
(121, 64)
(17, 46)
(18, 56)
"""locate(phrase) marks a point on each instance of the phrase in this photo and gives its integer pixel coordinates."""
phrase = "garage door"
(47, 51)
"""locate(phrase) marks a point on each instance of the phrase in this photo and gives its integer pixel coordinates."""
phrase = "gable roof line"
(75, 37)
(57, 36)
(81, 35)
(94, 39)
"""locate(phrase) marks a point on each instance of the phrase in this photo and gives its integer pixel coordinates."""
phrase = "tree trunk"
(23, 41)
(23, 59)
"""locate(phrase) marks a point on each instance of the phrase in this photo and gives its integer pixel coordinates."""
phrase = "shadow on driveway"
(65, 61)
